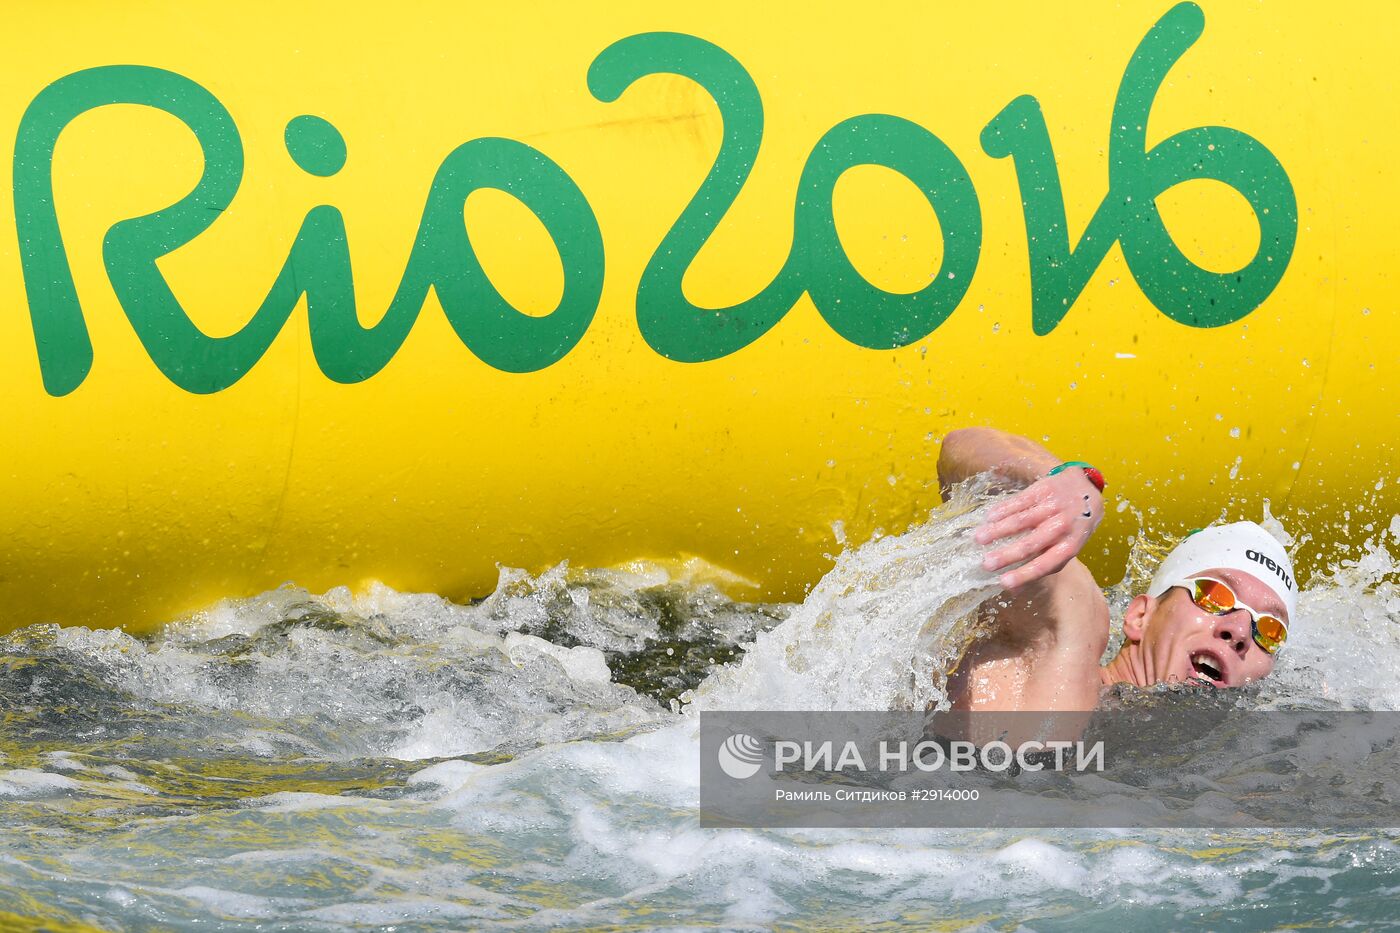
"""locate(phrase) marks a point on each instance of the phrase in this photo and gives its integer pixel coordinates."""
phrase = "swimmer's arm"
(969, 451)
(1056, 513)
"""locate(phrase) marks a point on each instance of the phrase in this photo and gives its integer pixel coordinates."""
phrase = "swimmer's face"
(1180, 642)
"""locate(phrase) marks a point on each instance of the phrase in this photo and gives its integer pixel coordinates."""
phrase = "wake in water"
(338, 761)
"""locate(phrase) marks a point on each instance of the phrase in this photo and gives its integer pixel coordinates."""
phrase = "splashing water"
(346, 761)
(879, 631)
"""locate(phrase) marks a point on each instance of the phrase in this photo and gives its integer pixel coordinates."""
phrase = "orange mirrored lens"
(1271, 633)
(1214, 596)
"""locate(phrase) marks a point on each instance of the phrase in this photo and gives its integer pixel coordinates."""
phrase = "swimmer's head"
(1180, 629)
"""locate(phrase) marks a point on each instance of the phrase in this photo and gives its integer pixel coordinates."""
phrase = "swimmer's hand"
(1058, 514)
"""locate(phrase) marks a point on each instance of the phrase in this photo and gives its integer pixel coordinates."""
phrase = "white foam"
(63, 761)
(1047, 865)
(581, 663)
(239, 905)
(302, 801)
(399, 910)
(448, 775)
(23, 782)
(118, 772)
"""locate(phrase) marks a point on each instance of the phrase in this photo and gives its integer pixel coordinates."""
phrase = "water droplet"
(838, 528)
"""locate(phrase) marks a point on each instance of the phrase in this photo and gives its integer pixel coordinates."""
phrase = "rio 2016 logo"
(318, 264)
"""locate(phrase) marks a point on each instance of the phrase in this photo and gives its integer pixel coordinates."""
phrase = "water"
(340, 762)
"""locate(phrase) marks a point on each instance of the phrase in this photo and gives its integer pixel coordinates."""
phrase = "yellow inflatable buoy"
(304, 294)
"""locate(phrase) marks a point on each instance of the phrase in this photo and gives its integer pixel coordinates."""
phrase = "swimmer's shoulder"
(1041, 647)
(1065, 609)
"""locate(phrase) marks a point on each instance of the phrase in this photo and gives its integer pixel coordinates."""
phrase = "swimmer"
(1216, 612)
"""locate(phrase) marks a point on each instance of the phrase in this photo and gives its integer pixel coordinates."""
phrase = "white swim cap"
(1243, 546)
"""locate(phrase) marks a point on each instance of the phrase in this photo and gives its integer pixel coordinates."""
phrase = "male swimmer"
(1217, 610)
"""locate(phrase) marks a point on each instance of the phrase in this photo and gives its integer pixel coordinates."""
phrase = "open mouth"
(1208, 668)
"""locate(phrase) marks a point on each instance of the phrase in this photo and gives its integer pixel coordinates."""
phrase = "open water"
(394, 760)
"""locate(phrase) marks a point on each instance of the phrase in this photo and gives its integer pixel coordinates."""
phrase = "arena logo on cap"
(1272, 565)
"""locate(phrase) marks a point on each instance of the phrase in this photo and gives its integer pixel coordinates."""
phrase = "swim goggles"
(1217, 598)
